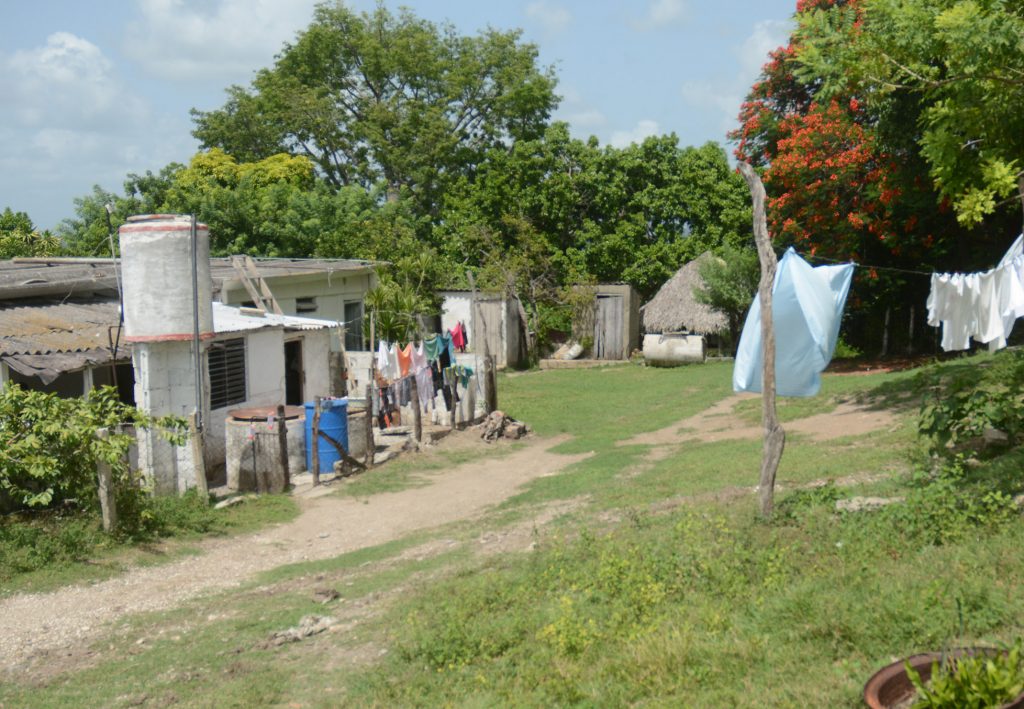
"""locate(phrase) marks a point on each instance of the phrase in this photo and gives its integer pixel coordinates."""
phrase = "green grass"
(625, 602)
(46, 552)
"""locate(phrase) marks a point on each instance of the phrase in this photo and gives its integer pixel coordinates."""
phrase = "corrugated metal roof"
(47, 327)
(26, 277)
(230, 319)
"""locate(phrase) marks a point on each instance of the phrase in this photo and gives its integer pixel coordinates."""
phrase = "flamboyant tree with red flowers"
(843, 184)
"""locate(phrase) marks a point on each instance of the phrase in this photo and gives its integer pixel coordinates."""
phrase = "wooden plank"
(268, 296)
(315, 443)
(108, 508)
(239, 265)
(282, 445)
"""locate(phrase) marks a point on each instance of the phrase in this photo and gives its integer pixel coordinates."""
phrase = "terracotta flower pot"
(890, 687)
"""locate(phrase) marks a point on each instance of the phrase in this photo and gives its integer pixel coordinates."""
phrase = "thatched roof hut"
(674, 309)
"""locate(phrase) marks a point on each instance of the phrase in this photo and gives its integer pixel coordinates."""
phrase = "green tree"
(390, 98)
(730, 282)
(88, 232)
(962, 60)
(19, 237)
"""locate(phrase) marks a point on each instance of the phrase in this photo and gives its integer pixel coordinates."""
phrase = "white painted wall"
(5, 376)
(316, 352)
(164, 384)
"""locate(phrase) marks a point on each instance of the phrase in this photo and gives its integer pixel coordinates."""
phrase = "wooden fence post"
(315, 445)
(108, 507)
(282, 445)
(774, 436)
(371, 446)
(195, 442)
(417, 422)
(490, 385)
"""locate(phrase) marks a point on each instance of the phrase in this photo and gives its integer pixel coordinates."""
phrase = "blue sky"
(93, 91)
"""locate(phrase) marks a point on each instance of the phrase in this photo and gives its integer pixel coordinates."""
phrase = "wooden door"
(608, 331)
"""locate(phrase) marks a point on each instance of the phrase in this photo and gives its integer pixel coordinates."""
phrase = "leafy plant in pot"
(964, 677)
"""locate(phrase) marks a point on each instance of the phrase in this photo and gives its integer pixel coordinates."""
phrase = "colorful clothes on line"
(432, 348)
(384, 360)
(458, 334)
(404, 359)
(425, 387)
(446, 343)
(419, 358)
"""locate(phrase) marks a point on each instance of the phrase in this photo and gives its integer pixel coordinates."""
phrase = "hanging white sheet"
(807, 308)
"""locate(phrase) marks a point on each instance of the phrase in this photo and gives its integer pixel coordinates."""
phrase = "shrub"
(964, 404)
(49, 449)
(980, 680)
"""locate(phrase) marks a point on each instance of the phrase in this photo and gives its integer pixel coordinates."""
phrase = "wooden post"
(371, 446)
(108, 507)
(195, 442)
(417, 423)
(490, 385)
(910, 334)
(282, 445)
(315, 445)
(774, 436)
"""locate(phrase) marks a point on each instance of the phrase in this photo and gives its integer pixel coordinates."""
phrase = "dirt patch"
(36, 626)
(523, 536)
(720, 422)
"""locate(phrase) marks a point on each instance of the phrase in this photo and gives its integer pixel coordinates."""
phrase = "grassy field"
(660, 587)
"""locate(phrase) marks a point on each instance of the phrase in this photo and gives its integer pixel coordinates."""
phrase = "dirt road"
(327, 526)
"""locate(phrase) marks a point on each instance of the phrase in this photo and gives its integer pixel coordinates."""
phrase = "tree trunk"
(885, 333)
(910, 334)
(1020, 190)
(774, 436)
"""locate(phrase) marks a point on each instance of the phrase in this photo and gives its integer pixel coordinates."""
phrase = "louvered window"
(226, 362)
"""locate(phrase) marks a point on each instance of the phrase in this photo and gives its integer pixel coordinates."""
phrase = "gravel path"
(327, 526)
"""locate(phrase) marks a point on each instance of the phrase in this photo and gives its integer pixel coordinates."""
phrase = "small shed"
(675, 309)
(616, 320)
(495, 326)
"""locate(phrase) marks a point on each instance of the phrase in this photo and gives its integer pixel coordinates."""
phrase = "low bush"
(962, 403)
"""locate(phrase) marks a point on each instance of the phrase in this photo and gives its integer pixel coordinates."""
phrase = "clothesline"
(876, 268)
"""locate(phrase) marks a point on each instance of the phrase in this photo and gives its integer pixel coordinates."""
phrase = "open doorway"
(293, 373)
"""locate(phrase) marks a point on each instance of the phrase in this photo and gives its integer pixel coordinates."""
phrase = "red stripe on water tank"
(129, 228)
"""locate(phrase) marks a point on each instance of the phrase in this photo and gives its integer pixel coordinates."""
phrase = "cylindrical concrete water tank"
(253, 446)
(156, 275)
(673, 349)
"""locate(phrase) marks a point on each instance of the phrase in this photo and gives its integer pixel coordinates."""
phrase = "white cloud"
(222, 40)
(71, 123)
(753, 53)
(643, 129)
(713, 100)
(662, 13)
(587, 119)
(552, 18)
(65, 83)
(725, 97)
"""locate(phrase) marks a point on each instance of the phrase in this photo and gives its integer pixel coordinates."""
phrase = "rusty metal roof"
(50, 327)
(34, 277)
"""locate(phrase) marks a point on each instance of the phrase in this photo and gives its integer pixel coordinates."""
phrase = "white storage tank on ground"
(156, 273)
(673, 349)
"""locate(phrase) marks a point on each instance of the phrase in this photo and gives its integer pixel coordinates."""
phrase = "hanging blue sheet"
(807, 304)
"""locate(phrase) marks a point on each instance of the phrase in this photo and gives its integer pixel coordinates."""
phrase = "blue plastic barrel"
(333, 422)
